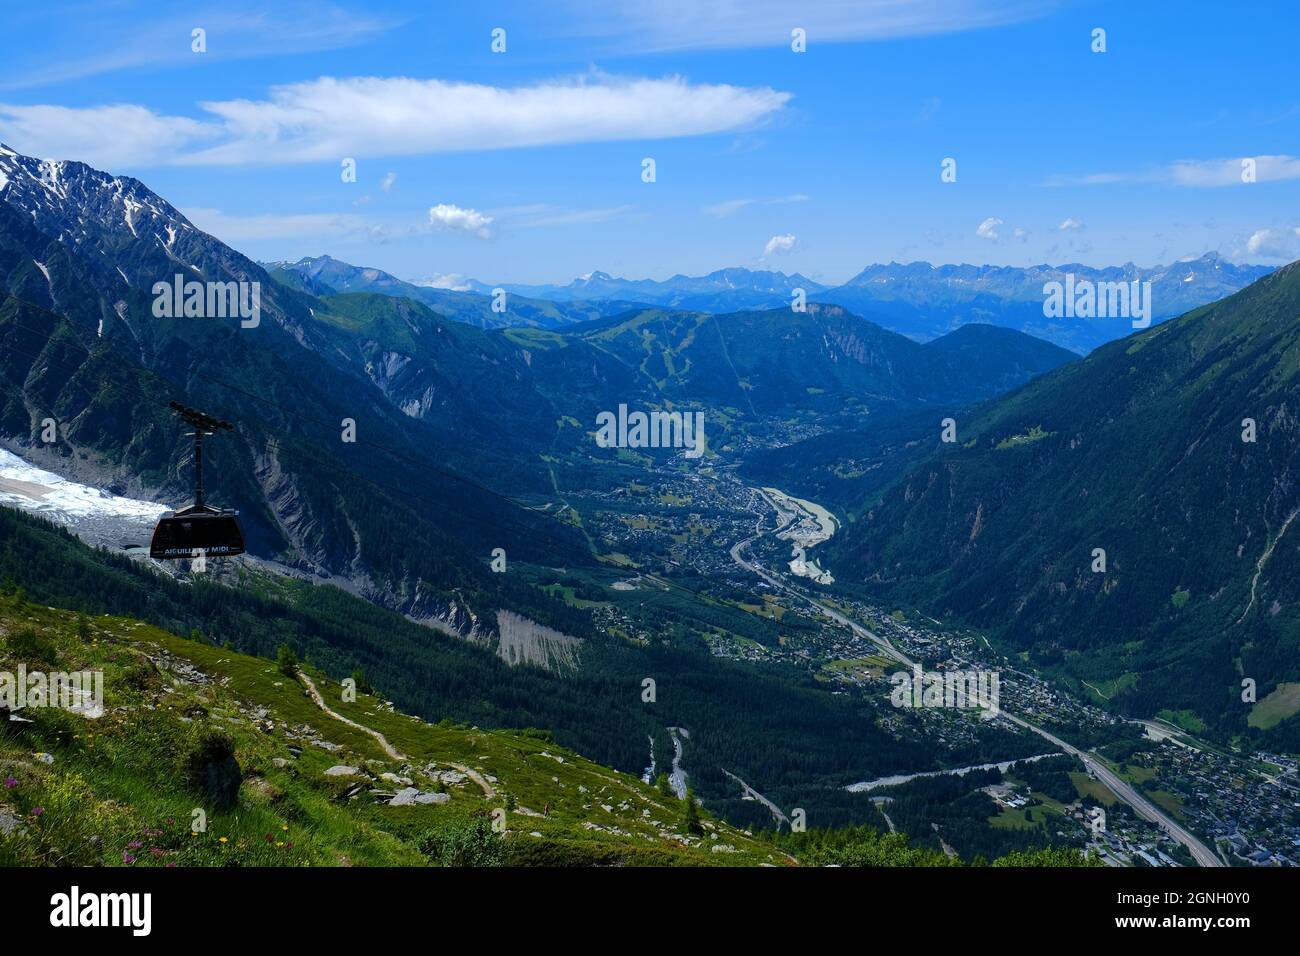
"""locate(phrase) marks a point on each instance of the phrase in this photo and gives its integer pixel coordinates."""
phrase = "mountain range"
(1126, 520)
(466, 437)
(918, 300)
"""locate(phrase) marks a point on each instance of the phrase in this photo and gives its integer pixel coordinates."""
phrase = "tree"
(662, 785)
(287, 661)
(692, 812)
(363, 685)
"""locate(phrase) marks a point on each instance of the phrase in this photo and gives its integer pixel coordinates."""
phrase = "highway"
(1143, 807)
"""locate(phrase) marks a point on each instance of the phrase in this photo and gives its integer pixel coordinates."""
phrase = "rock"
(279, 762)
(397, 779)
(339, 770)
(9, 823)
(409, 796)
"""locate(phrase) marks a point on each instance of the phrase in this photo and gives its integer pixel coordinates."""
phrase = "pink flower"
(37, 811)
(127, 857)
(10, 783)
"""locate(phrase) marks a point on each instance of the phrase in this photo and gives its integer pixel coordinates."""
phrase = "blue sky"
(525, 166)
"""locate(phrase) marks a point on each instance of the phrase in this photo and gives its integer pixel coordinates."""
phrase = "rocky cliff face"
(521, 641)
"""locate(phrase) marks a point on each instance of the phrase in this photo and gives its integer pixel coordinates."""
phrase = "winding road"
(1143, 807)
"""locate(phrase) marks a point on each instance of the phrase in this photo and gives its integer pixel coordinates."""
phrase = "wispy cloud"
(988, 229)
(729, 207)
(1196, 173)
(235, 228)
(327, 119)
(689, 24)
(110, 38)
(542, 214)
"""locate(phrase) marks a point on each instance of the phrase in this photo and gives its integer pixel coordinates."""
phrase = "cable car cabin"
(197, 530)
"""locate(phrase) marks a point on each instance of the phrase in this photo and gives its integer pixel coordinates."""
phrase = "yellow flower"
(284, 826)
(223, 840)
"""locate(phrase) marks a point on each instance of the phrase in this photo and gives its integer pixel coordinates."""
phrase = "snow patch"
(25, 486)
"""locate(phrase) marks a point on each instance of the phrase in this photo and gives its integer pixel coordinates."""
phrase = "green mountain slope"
(280, 781)
(1137, 450)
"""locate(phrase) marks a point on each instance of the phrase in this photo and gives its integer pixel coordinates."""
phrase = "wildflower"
(223, 840)
(37, 811)
(127, 857)
(10, 783)
(135, 845)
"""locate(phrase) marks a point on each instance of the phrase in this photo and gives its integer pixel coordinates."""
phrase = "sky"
(528, 163)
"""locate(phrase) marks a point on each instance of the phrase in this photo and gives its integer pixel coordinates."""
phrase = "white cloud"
(456, 219)
(326, 119)
(988, 229)
(106, 136)
(779, 245)
(1275, 244)
(1070, 225)
(387, 182)
(452, 282)
(689, 24)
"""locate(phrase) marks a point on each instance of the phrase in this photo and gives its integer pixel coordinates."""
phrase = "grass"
(1281, 703)
(1034, 434)
(114, 791)
(1086, 786)
(1185, 719)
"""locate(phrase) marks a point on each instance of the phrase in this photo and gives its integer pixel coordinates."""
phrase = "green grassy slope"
(123, 789)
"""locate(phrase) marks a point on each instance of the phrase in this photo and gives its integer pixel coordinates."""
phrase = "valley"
(433, 502)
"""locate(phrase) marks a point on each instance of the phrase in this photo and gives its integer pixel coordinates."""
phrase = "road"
(777, 813)
(1143, 807)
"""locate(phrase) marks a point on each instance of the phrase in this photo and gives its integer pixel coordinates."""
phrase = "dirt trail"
(488, 790)
(389, 749)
